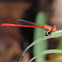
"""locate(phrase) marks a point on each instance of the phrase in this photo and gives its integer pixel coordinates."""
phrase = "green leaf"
(47, 52)
(54, 34)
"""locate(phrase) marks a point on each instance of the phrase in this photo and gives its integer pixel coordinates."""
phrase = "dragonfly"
(24, 23)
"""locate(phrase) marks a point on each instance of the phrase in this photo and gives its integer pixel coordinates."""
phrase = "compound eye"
(54, 28)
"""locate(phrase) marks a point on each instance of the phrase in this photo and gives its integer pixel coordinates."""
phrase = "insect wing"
(24, 22)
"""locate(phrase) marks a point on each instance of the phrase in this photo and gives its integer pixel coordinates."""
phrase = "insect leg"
(46, 33)
(49, 30)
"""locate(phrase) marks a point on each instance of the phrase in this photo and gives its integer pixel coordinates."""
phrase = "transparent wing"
(24, 22)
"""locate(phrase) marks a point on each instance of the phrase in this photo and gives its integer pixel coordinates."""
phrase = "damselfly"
(24, 23)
